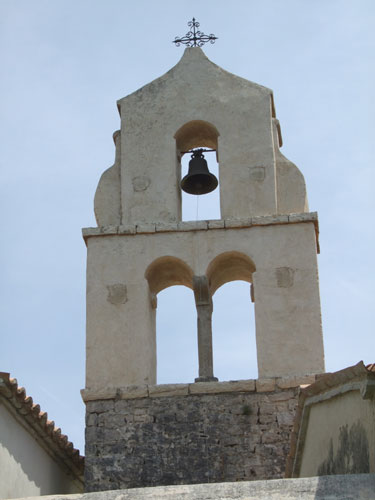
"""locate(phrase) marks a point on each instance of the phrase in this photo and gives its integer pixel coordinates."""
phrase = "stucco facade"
(120, 296)
(141, 246)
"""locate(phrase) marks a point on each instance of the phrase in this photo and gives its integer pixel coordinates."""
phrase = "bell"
(199, 180)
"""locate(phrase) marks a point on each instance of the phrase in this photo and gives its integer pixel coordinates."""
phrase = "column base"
(206, 379)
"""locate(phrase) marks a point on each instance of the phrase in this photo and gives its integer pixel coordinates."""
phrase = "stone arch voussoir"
(168, 271)
(229, 266)
(196, 133)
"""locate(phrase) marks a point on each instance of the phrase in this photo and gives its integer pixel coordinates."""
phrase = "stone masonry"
(162, 438)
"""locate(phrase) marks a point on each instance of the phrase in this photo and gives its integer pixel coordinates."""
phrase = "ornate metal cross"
(194, 38)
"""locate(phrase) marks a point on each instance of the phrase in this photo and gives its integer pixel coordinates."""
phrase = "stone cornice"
(168, 390)
(203, 225)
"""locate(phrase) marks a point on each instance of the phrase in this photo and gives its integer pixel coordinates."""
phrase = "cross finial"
(194, 38)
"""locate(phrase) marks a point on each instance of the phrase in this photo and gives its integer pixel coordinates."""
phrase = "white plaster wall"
(324, 424)
(25, 467)
(121, 337)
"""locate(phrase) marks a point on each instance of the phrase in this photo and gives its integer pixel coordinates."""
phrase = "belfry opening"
(199, 139)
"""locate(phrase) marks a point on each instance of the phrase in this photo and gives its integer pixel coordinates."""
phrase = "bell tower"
(265, 236)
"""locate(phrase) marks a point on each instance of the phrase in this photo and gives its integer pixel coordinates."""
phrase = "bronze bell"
(199, 179)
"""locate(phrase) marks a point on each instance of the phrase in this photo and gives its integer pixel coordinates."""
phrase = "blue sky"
(63, 66)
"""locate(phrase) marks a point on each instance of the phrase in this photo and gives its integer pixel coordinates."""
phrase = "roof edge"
(36, 422)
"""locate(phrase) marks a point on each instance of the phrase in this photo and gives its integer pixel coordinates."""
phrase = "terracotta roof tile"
(34, 417)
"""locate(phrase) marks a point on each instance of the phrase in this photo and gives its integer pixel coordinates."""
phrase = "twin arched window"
(227, 267)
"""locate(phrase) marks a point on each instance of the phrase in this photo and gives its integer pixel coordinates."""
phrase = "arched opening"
(170, 280)
(229, 266)
(192, 135)
(176, 337)
(234, 344)
(168, 271)
(233, 327)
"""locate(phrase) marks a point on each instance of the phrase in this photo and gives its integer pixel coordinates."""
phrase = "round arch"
(229, 266)
(197, 133)
(168, 271)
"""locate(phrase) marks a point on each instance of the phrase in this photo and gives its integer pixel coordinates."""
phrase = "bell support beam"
(203, 302)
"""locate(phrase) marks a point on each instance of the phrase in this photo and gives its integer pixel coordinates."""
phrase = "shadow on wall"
(29, 468)
(348, 487)
(352, 456)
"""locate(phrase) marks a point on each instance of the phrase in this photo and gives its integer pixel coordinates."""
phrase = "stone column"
(203, 301)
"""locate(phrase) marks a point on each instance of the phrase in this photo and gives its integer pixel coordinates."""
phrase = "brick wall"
(185, 439)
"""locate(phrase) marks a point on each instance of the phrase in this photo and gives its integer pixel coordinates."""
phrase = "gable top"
(193, 67)
(36, 421)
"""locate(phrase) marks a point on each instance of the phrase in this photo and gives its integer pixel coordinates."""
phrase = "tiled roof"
(36, 421)
(325, 383)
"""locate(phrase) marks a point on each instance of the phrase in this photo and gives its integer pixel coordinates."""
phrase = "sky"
(65, 63)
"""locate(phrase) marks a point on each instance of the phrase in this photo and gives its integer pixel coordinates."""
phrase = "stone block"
(133, 392)
(283, 395)
(145, 228)
(100, 406)
(98, 394)
(232, 223)
(216, 224)
(266, 220)
(197, 225)
(222, 387)
(163, 227)
(239, 386)
(167, 390)
(288, 382)
(265, 384)
(109, 229)
(285, 418)
(128, 229)
(90, 231)
(91, 419)
(303, 217)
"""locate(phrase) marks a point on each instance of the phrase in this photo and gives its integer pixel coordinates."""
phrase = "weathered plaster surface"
(121, 341)
(340, 437)
(197, 103)
(138, 206)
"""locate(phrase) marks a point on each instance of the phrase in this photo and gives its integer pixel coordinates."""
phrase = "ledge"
(202, 225)
(276, 384)
(358, 486)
